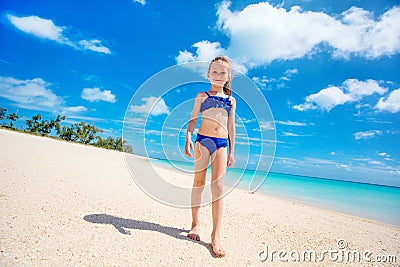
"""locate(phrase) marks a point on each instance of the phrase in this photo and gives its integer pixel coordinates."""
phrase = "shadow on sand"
(122, 225)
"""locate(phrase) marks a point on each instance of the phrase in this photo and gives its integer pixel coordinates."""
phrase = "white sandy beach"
(64, 204)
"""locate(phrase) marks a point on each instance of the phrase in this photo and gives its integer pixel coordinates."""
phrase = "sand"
(64, 204)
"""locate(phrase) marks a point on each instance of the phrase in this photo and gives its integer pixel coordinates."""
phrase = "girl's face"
(219, 73)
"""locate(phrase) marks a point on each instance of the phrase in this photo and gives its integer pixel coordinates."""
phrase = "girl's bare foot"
(216, 246)
(194, 234)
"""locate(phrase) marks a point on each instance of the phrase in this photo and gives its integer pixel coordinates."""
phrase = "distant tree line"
(81, 132)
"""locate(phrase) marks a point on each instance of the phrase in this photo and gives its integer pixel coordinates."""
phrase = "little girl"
(216, 132)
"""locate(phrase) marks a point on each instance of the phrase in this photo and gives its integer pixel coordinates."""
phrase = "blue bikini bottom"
(211, 143)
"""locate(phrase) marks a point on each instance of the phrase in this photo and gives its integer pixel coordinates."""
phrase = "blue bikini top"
(213, 101)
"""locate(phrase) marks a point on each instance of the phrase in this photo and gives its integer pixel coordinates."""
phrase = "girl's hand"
(189, 146)
(231, 160)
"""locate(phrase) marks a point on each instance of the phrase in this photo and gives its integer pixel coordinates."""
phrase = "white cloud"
(325, 99)
(77, 109)
(367, 134)
(134, 121)
(320, 161)
(206, 51)
(280, 82)
(329, 98)
(289, 134)
(261, 33)
(42, 28)
(386, 156)
(391, 103)
(351, 90)
(76, 118)
(184, 57)
(265, 126)
(29, 93)
(261, 81)
(46, 29)
(247, 120)
(361, 159)
(153, 106)
(305, 106)
(94, 45)
(34, 94)
(291, 72)
(142, 2)
(357, 89)
(293, 123)
(160, 133)
(292, 134)
(375, 162)
(95, 95)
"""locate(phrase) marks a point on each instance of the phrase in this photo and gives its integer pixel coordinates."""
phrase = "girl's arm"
(231, 134)
(192, 123)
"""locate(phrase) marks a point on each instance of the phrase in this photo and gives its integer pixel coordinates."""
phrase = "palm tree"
(12, 117)
(56, 123)
(34, 124)
(67, 133)
(45, 128)
(3, 112)
(79, 132)
(85, 133)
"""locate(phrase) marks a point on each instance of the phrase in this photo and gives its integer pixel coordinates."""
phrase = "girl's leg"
(201, 158)
(217, 182)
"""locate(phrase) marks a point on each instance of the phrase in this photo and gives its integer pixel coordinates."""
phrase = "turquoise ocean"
(376, 202)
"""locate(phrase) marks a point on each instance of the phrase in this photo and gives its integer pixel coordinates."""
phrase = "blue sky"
(328, 69)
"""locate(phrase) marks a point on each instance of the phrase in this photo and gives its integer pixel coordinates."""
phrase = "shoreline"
(350, 211)
(66, 205)
(329, 208)
(303, 176)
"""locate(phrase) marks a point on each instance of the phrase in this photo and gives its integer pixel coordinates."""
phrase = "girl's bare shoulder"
(201, 95)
